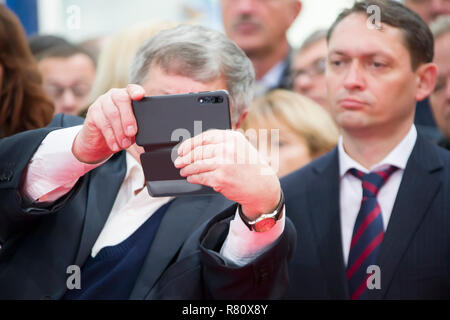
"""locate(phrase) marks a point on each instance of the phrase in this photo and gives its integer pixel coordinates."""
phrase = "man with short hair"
(68, 73)
(259, 28)
(440, 98)
(373, 215)
(76, 196)
(308, 68)
(41, 43)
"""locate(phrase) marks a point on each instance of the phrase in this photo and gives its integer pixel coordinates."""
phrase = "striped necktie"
(368, 232)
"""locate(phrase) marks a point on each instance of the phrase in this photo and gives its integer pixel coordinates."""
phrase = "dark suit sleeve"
(17, 213)
(200, 272)
(264, 278)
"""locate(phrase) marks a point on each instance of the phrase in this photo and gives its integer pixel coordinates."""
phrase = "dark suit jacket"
(415, 254)
(38, 244)
(444, 143)
(285, 81)
(425, 123)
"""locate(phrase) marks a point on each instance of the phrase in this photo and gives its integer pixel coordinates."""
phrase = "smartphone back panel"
(165, 121)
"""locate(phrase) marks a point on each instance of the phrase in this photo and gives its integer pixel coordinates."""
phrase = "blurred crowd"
(348, 130)
(46, 74)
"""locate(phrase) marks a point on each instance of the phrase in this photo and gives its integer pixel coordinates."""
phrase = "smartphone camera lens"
(207, 99)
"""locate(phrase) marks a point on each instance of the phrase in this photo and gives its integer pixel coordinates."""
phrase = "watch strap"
(273, 216)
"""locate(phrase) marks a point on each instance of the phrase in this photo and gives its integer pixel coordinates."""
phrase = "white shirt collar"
(397, 157)
(135, 173)
(136, 179)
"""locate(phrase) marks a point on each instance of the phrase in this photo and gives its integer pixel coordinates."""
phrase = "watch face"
(264, 225)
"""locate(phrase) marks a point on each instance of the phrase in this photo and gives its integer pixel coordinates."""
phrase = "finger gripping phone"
(163, 123)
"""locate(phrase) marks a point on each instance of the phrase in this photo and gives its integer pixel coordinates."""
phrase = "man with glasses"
(308, 68)
(83, 201)
(429, 11)
(68, 74)
(440, 98)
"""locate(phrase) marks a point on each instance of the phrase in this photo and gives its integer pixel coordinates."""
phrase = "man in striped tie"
(373, 215)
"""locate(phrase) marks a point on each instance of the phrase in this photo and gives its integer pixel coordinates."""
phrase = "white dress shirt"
(351, 187)
(54, 170)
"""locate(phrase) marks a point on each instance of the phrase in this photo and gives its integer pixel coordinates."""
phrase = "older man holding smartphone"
(75, 197)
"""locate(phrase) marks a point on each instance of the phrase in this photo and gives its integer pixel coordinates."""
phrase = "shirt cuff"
(242, 245)
(54, 170)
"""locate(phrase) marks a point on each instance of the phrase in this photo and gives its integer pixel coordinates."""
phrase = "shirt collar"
(397, 157)
(135, 176)
(135, 173)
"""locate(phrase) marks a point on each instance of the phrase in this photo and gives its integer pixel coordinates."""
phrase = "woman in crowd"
(23, 102)
(306, 130)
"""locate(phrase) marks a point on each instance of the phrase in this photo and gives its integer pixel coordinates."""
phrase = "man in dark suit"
(73, 197)
(373, 215)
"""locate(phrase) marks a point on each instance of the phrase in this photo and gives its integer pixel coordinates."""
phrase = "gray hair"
(316, 36)
(313, 38)
(201, 54)
(441, 26)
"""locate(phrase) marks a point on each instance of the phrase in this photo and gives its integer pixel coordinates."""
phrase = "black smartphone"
(166, 121)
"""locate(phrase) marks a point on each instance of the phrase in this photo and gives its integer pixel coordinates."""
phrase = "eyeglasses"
(315, 69)
(56, 92)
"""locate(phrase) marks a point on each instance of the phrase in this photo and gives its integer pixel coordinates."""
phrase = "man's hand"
(225, 161)
(110, 125)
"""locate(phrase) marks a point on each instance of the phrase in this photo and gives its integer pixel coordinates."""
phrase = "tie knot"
(373, 181)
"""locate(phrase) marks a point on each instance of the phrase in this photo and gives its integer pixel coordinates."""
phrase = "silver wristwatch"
(266, 221)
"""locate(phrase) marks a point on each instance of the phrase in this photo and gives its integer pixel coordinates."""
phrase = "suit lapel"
(104, 184)
(418, 188)
(182, 217)
(323, 200)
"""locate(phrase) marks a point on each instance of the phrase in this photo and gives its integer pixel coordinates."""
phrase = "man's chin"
(351, 121)
(250, 44)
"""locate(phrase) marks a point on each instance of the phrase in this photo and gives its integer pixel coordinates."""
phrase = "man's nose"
(68, 100)
(303, 83)
(354, 79)
(245, 6)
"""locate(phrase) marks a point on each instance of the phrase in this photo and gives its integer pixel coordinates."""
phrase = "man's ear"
(426, 80)
(296, 8)
(240, 120)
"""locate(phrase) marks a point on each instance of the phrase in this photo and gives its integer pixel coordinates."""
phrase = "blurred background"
(83, 48)
(81, 20)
